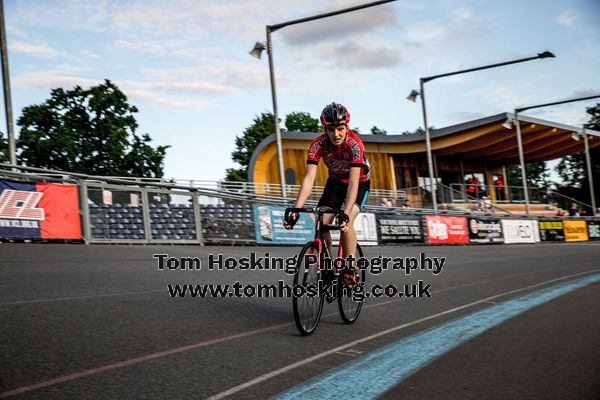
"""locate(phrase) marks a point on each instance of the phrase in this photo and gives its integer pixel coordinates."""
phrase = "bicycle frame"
(320, 228)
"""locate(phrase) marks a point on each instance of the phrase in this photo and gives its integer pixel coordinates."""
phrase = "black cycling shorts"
(334, 194)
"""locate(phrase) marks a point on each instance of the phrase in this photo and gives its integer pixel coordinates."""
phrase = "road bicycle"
(319, 279)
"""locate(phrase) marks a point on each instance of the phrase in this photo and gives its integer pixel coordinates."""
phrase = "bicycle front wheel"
(308, 307)
(348, 293)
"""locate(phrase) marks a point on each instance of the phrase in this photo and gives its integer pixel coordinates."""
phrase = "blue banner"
(268, 226)
(17, 199)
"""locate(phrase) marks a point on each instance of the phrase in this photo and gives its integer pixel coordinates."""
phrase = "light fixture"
(532, 126)
(554, 130)
(576, 136)
(259, 47)
(413, 95)
(546, 54)
(508, 123)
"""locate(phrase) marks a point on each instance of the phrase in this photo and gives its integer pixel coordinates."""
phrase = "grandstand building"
(479, 149)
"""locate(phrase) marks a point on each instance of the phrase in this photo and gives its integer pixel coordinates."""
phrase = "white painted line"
(308, 360)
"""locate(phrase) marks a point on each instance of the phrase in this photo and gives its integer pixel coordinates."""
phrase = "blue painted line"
(371, 375)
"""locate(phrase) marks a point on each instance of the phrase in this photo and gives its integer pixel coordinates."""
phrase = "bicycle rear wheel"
(348, 306)
(308, 307)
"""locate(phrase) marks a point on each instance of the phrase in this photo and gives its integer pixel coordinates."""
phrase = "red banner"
(60, 203)
(441, 229)
(42, 210)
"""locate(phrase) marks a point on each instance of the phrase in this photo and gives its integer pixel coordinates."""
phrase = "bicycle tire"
(349, 308)
(307, 310)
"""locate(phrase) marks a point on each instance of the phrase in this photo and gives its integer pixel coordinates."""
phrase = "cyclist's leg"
(333, 197)
(349, 237)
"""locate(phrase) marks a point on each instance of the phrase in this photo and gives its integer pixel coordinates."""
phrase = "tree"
(4, 157)
(537, 175)
(90, 131)
(418, 131)
(263, 126)
(376, 131)
(302, 122)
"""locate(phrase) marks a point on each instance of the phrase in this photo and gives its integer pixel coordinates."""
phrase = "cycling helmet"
(335, 114)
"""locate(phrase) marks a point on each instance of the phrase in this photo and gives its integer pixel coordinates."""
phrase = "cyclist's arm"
(307, 185)
(352, 189)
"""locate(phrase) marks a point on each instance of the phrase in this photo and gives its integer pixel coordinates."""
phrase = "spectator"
(485, 204)
(573, 210)
(385, 202)
(499, 186)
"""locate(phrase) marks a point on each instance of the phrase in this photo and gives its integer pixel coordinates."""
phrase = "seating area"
(124, 221)
(227, 221)
(172, 222)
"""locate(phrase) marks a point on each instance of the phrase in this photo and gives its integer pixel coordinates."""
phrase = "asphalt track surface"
(97, 322)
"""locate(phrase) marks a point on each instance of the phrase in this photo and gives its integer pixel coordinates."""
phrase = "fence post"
(85, 212)
(197, 218)
(146, 214)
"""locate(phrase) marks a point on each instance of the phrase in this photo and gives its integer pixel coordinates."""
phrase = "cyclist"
(348, 184)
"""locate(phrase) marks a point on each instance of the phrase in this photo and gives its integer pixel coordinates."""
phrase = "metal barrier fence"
(126, 211)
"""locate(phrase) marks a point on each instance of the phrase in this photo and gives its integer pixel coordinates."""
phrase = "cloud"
(341, 26)
(465, 116)
(584, 93)
(35, 50)
(354, 55)
(567, 18)
(177, 88)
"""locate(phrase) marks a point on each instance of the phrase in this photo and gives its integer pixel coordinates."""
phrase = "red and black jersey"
(339, 159)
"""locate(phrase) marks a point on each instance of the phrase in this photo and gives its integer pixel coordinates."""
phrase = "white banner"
(520, 231)
(365, 226)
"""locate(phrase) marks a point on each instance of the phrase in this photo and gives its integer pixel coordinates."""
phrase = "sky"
(185, 63)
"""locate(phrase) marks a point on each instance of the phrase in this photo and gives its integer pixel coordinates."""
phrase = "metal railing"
(515, 194)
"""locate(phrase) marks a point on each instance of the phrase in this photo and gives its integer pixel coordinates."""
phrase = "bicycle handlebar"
(315, 210)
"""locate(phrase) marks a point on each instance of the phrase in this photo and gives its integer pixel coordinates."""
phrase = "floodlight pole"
(432, 177)
(589, 170)
(522, 163)
(6, 86)
(273, 28)
(276, 115)
(432, 185)
(522, 157)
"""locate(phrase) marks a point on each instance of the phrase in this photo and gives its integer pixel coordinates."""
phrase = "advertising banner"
(552, 231)
(520, 231)
(268, 226)
(365, 226)
(399, 229)
(39, 210)
(593, 230)
(575, 231)
(442, 229)
(485, 230)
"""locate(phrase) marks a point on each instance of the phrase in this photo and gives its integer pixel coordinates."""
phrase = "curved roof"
(482, 138)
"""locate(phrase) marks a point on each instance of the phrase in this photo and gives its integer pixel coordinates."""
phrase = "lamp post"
(413, 97)
(522, 156)
(258, 49)
(589, 169)
(6, 87)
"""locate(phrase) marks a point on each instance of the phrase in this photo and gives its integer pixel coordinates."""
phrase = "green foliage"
(236, 175)
(418, 131)
(4, 157)
(376, 131)
(537, 175)
(91, 131)
(302, 122)
(263, 126)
